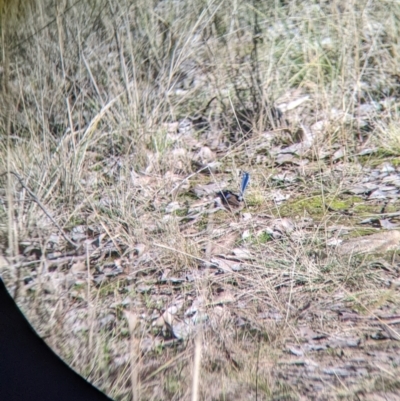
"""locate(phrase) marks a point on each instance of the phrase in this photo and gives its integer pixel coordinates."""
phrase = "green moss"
(317, 206)
(202, 224)
(295, 207)
(181, 212)
(380, 156)
(254, 199)
(365, 208)
(264, 237)
(172, 386)
(361, 232)
(75, 221)
(353, 208)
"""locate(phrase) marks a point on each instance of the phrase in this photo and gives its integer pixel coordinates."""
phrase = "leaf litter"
(293, 288)
(334, 352)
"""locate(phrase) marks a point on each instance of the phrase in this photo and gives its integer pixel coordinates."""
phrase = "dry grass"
(95, 93)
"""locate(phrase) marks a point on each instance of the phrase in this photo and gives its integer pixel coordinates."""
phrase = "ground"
(123, 120)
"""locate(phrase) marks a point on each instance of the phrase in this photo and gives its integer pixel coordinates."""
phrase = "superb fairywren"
(231, 200)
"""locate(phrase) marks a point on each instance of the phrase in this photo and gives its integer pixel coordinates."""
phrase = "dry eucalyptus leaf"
(392, 179)
(196, 304)
(247, 216)
(298, 149)
(367, 151)
(286, 159)
(242, 254)
(205, 155)
(172, 207)
(387, 224)
(387, 168)
(362, 188)
(278, 196)
(339, 372)
(334, 242)
(171, 128)
(339, 154)
(132, 319)
(3, 262)
(159, 322)
(225, 244)
(107, 320)
(378, 194)
(392, 333)
(246, 234)
(168, 317)
(286, 177)
(376, 243)
(208, 189)
(139, 249)
(179, 153)
(182, 329)
(223, 298)
(223, 264)
(295, 351)
(284, 225)
(290, 105)
(79, 266)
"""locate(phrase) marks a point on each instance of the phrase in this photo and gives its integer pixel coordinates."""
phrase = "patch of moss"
(395, 162)
(202, 224)
(366, 208)
(317, 206)
(180, 212)
(74, 222)
(299, 206)
(361, 232)
(254, 200)
(172, 386)
(264, 237)
(380, 156)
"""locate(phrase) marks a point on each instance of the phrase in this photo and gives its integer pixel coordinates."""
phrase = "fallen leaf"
(376, 243)
(223, 298)
(224, 264)
(292, 104)
(182, 329)
(78, 267)
(172, 207)
(387, 224)
(139, 249)
(285, 159)
(225, 244)
(242, 254)
(208, 189)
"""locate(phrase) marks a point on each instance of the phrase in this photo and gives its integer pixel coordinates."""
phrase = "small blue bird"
(231, 200)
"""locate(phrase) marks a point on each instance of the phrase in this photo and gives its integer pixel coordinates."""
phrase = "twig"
(37, 201)
(257, 366)
(196, 367)
(394, 214)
